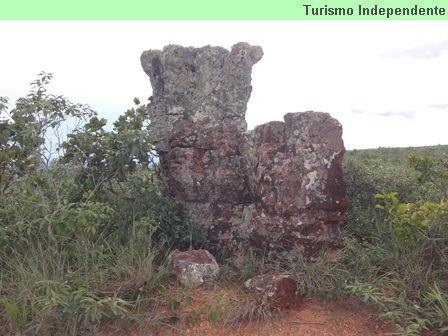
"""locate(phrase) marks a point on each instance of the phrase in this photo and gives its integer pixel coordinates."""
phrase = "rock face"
(278, 186)
(275, 290)
(194, 267)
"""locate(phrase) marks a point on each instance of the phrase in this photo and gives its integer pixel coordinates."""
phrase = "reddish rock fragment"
(275, 290)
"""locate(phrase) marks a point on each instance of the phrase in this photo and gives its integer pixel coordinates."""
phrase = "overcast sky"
(385, 81)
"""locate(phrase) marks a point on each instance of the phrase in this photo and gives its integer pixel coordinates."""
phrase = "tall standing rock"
(277, 186)
(299, 179)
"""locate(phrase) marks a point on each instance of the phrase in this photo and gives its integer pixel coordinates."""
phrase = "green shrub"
(396, 239)
(84, 227)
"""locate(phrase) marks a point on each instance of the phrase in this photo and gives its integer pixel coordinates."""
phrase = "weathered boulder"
(194, 267)
(278, 186)
(298, 178)
(275, 290)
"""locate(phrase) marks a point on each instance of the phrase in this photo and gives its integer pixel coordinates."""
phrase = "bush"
(84, 226)
(396, 251)
(368, 174)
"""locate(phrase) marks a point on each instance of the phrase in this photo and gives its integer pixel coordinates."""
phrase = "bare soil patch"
(313, 318)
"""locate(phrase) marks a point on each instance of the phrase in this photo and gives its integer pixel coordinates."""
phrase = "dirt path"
(311, 319)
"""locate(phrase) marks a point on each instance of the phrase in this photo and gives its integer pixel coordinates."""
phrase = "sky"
(385, 81)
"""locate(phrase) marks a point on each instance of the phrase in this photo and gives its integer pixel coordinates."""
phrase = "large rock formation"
(275, 187)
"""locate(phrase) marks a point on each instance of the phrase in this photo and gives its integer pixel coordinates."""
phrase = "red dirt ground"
(311, 319)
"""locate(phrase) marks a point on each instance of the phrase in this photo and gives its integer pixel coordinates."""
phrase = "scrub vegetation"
(85, 230)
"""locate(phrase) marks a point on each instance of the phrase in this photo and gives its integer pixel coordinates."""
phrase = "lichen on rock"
(275, 187)
(194, 267)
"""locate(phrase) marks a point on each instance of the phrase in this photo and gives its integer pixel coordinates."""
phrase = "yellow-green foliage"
(415, 221)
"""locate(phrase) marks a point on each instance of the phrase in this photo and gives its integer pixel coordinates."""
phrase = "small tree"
(30, 133)
(105, 158)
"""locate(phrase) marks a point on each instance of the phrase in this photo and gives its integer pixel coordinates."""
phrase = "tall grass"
(49, 288)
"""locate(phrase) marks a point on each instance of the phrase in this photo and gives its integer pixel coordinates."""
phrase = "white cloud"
(426, 51)
(438, 106)
(405, 114)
